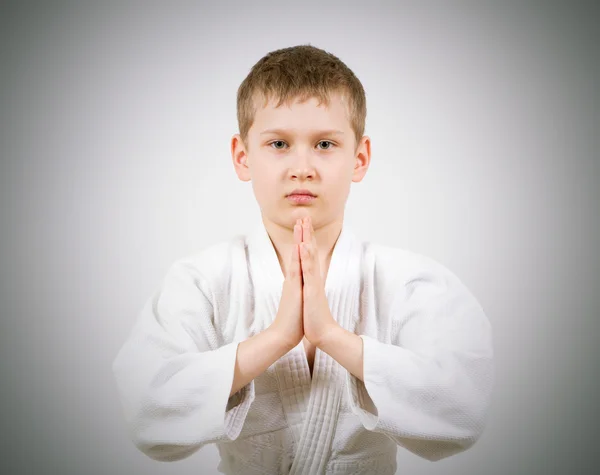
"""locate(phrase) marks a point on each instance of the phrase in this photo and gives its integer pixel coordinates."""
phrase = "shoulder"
(402, 265)
(210, 265)
(420, 285)
(410, 274)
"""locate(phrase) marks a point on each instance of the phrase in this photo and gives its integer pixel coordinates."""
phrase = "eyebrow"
(318, 132)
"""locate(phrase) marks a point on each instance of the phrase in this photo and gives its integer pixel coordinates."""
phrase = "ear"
(362, 159)
(240, 158)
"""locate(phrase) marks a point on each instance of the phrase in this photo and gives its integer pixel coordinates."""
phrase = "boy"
(298, 348)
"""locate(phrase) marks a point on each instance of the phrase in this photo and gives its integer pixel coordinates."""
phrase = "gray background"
(116, 120)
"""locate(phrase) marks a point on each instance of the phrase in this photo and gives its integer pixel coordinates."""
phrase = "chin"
(301, 212)
(297, 213)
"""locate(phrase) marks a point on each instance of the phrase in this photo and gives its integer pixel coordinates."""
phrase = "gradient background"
(116, 120)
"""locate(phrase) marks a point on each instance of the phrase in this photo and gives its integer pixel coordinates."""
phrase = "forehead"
(298, 116)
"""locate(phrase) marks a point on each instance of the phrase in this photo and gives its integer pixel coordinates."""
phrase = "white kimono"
(428, 364)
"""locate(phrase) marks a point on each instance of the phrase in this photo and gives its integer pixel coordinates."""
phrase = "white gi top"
(428, 364)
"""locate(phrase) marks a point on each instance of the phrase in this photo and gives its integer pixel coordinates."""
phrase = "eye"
(327, 142)
(277, 141)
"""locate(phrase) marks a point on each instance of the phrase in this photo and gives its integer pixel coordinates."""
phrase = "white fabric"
(428, 364)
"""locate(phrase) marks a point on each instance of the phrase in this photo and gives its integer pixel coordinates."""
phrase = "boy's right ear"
(240, 158)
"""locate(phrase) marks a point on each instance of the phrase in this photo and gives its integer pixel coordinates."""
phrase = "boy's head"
(306, 94)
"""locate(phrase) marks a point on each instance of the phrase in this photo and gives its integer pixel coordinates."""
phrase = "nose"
(302, 173)
(301, 166)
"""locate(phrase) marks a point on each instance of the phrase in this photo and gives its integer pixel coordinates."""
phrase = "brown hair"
(302, 72)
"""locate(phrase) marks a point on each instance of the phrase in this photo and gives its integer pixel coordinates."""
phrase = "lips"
(302, 192)
(301, 199)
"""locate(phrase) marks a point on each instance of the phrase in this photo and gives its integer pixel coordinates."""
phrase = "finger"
(307, 261)
(313, 238)
(295, 267)
(298, 232)
(299, 264)
(306, 234)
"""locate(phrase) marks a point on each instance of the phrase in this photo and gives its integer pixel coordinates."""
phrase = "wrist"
(287, 342)
(330, 333)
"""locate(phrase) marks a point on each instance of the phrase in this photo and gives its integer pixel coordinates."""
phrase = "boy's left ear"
(363, 159)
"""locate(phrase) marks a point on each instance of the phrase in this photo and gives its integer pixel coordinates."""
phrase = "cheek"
(265, 184)
(341, 181)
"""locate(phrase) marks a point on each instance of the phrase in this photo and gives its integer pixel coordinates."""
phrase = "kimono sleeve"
(429, 389)
(172, 375)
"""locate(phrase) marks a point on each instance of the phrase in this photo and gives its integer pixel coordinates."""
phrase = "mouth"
(298, 198)
(298, 191)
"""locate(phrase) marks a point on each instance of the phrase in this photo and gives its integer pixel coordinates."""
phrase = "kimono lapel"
(312, 405)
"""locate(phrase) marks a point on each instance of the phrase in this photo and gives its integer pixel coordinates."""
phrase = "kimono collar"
(266, 270)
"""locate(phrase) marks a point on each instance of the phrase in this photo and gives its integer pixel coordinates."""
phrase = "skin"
(301, 155)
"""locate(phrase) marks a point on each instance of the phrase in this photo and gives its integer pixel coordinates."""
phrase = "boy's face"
(304, 152)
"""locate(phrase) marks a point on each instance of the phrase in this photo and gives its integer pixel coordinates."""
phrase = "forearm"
(256, 354)
(346, 348)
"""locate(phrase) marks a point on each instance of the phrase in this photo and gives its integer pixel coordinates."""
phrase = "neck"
(282, 237)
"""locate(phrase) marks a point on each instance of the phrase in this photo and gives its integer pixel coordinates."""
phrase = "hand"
(316, 314)
(288, 320)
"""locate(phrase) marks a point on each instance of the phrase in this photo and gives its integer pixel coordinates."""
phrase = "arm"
(256, 354)
(429, 388)
(346, 348)
(179, 389)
